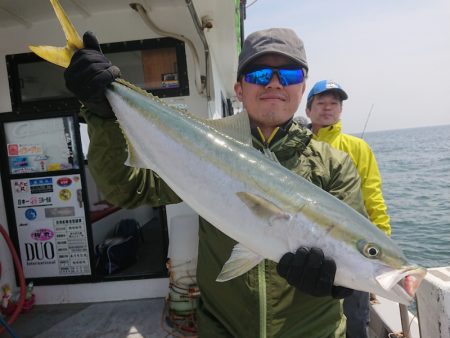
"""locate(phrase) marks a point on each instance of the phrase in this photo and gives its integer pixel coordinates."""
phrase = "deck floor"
(133, 318)
(143, 318)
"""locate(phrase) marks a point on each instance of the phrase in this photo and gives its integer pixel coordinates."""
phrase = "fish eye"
(372, 251)
(369, 250)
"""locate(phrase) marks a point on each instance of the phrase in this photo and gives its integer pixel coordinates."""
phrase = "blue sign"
(30, 214)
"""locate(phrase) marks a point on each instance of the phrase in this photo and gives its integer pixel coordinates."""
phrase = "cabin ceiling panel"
(27, 12)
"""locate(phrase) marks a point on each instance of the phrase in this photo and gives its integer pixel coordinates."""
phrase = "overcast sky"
(394, 55)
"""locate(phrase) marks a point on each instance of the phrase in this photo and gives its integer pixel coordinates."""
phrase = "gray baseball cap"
(283, 41)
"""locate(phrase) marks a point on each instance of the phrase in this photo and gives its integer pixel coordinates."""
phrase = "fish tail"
(61, 56)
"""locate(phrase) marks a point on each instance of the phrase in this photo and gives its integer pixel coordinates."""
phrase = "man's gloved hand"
(312, 273)
(88, 75)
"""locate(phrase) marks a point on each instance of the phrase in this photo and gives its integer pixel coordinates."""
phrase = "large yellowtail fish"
(266, 208)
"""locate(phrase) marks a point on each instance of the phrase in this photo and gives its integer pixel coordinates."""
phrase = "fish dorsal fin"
(61, 56)
(241, 260)
(236, 126)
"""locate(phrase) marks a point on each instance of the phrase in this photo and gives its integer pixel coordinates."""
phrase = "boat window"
(156, 65)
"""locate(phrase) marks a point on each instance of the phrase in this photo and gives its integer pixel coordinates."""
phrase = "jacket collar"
(277, 134)
(328, 132)
(288, 142)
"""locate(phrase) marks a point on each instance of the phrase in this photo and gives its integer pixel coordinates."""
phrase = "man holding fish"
(271, 82)
(294, 298)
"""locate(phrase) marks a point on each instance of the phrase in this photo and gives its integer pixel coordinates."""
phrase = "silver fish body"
(266, 208)
(262, 205)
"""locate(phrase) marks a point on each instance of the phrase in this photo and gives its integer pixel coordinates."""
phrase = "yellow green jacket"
(366, 164)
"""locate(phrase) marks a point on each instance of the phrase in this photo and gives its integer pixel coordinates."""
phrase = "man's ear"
(238, 90)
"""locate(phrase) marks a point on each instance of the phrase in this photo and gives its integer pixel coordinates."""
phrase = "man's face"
(325, 110)
(271, 105)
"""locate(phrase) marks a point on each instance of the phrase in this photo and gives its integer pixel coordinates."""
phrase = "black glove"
(88, 75)
(312, 273)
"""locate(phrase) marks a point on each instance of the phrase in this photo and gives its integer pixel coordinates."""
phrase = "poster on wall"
(51, 226)
(41, 145)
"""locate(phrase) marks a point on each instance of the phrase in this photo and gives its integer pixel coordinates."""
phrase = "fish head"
(393, 276)
(366, 259)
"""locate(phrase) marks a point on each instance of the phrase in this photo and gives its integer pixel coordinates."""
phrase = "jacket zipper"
(262, 300)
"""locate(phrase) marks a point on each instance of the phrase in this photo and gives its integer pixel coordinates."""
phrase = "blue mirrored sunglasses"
(286, 76)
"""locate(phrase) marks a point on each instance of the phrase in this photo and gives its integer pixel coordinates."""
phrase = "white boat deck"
(385, 320)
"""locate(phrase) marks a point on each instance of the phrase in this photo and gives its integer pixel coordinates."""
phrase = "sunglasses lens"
(290, 76)
(260, 77)
(286, 76)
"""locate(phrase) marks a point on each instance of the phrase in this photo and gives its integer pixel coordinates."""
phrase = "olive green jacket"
(260, 303)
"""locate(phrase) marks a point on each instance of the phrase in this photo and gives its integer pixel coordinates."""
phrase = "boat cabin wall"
(126, 25)
(109, 27)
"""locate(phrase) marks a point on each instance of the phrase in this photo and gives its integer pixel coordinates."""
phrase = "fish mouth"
(402, 283)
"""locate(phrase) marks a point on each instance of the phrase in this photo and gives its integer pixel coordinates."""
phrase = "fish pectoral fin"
(61, 56)
(262, 207)
(241, 260)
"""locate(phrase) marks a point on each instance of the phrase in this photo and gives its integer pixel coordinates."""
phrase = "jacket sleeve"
(371, 189)
(345, 183)
(121, 185)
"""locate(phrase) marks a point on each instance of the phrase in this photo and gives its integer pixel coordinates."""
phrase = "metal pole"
(404, 320)
(367, 120)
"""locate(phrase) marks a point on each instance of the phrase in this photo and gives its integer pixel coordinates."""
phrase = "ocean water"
(415, 169)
